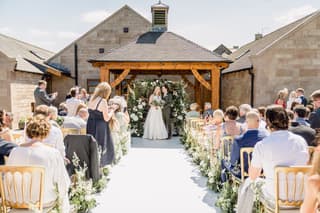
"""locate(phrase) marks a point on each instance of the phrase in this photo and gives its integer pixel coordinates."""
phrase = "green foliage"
(81, 193)
(138, 107)
(60, 120)
(227, 199)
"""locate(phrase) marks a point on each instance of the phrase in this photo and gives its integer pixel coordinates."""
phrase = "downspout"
(76, 64)
(220, 87)
(252, 86)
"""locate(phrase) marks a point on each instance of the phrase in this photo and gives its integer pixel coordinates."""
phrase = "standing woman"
(281, 99)
(98, 121)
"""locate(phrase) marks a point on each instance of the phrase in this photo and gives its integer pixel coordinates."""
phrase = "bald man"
(248, 139)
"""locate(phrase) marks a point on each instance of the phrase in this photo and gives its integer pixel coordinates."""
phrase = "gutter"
(76, 64)
(250, 71)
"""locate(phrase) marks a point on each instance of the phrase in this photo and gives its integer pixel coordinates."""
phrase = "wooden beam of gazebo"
(172, 68)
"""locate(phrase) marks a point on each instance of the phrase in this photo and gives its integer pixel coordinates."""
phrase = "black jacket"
(306, 132)
(5, 149)
(41, 97)
(86, 148)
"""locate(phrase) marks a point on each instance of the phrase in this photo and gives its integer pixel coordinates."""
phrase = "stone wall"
(108, 35)
(61, 85)
(292, 62)
(235, 88)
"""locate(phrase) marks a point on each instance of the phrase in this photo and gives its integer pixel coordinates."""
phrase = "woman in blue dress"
(98, 122)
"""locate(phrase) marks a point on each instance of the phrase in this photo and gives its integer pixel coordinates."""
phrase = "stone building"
(22, 66)
(288, 57)
(117, 30)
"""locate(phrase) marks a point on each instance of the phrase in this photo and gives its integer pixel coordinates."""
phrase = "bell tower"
(159, 17)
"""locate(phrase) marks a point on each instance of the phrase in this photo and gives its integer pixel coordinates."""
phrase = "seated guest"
(311, 197)
(53, 115)
(218, 123)
(55, 136)
(248, 139)
(299, 128)
(83, 96)
(280, 148)
(8, 120)
(77, 122)
(121, 116)
(81, 106)
(315, 115)
(36, 153)
(243, 110)
(5, 132)
(300, 113)
(5, 149)
(231, 127)
(208, 112)
(62, 110)
(193, 113)
(73, 102)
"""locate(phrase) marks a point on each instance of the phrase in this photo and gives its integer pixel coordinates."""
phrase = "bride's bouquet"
(158, 103)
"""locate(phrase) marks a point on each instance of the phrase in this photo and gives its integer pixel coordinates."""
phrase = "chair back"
(245, 157)
(225, 147)
(22, 187)
(311, 150)
(289, 186)
(73, 131)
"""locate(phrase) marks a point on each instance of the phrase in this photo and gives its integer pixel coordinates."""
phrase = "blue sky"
(54, 24)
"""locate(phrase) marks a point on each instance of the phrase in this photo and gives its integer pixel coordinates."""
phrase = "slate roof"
(160, 47)
(222, 49)
(29, 58)
(241, 57)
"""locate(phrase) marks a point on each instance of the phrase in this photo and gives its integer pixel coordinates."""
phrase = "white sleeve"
(61, 178)
(257, 156)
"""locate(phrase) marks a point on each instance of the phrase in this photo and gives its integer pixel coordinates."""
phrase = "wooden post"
(197, 92)
(215, 87)
(104, 74)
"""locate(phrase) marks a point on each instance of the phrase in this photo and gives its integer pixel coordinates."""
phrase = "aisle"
(156, 176)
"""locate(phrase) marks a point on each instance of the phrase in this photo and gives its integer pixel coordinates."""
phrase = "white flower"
(134, 117)
(144, 104)
(180, 117)
(140, 106)
(135, 109)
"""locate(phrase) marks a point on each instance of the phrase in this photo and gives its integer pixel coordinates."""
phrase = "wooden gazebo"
(164, 53)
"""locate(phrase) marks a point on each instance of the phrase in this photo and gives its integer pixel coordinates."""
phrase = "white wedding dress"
(154, 127)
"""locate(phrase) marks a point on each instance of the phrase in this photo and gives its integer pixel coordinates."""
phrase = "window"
(101, 50)
(91, 85)
(126, 29)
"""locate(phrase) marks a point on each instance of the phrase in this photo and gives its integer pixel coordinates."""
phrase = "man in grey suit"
(166, 111)
(40, 94)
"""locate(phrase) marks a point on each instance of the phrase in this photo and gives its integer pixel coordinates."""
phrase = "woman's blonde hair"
(38, 127)
(315, 163)
(154, 91)
(103, 90)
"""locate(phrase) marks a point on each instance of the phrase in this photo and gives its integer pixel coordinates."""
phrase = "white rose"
(144, 104)
(140, 106)
(135, 109)
(180, 117)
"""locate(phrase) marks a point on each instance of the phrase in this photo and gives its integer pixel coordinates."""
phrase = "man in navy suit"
(5, 149)
(248, 139)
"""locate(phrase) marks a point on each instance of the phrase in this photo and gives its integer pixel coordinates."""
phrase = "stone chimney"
(258, 36)
(159, 17)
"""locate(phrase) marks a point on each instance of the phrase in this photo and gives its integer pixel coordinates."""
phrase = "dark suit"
(5, 149)
(207, 113)
(306, 132)
(42, 98)
(166, 113)
(314, 119)
(248, 139)
(86, 148)
(242, 119)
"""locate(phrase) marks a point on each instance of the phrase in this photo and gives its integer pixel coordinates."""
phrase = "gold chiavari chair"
(73, 131)
(289, 189)
(311, 150)
(18, 185)
(225, 147)
(245, 151)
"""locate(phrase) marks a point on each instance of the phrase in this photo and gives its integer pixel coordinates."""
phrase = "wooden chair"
(225, 146)
(71, 131)
(245, 151)
(17, 187)
(311, 150)
(83, 131)
(293, 192)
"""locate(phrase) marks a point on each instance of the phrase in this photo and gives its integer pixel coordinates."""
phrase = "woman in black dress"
(98, 122)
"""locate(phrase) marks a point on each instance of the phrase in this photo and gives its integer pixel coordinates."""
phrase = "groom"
(166, 111)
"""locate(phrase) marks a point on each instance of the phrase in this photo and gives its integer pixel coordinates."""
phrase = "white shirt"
(55, 140)
(74, 122)
(55, 173)
(280, 148)
(72, 105)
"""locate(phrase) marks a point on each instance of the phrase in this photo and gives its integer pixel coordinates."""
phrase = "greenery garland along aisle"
(139, 92)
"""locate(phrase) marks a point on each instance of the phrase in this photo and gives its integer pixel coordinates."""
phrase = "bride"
(154, 127)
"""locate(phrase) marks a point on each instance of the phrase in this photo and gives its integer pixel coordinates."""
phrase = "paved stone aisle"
(156, 176)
